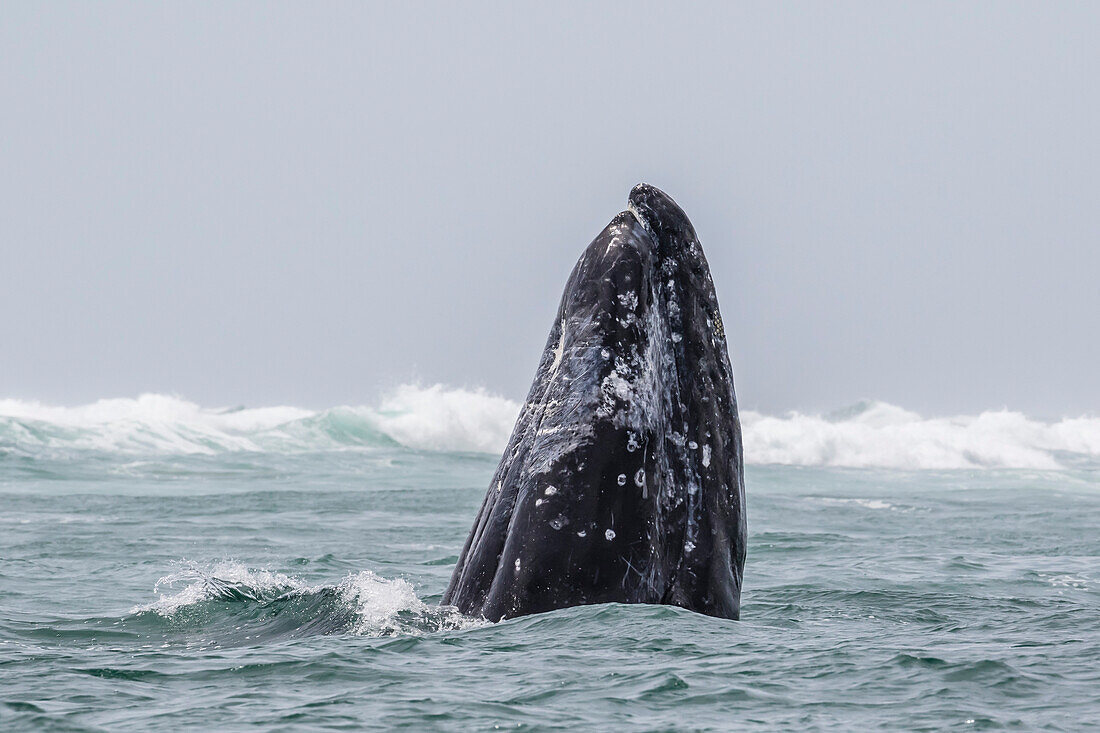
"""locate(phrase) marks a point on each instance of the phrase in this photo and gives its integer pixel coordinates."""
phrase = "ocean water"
(165, 566)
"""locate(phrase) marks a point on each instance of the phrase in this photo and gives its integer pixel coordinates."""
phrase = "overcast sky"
(308, 203)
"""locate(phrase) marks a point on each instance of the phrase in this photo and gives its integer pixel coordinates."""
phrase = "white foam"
(151, 423)
(879, 435)
(867, 503)
(425, 418)
(378, 602)
(438, 418)
(1078, 581)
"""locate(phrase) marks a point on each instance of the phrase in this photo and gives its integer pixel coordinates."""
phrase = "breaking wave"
(431, 418)
(437, 418)
(880, 435)
(233, 603)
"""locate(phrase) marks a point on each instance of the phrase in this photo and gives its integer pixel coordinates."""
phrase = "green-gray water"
(299, 589)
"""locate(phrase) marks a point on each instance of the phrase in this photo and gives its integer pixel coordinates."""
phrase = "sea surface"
(165, 566)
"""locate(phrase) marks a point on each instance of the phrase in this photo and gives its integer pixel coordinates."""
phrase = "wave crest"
(233, 602)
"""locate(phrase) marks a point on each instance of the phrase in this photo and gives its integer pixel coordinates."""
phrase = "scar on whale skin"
(634, 378)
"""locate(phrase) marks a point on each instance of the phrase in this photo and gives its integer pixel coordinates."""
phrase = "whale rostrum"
(623, 478)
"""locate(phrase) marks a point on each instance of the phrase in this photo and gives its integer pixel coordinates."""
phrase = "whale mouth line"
(636, 212)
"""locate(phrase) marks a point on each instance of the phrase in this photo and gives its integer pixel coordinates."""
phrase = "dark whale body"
(623, 479)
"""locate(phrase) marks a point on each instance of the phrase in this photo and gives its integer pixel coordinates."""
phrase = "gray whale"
(623, 478)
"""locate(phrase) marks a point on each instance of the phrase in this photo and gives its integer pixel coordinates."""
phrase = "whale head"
(622, 481)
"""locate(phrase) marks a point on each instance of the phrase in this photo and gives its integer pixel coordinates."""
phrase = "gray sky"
(292, 203)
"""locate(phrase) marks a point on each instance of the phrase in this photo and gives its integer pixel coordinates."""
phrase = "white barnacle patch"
(517, 564)
(550, 490)
(639, 478)
(629, 300)
(692, 444)
(689, 546)
(538, 502)
(632, 441)
(605, 353)
(500, 486)
(622, 479)
(559, 521)
(582, 533)
(673, 307)
(706, 455)
(609, 534)
(615, 388)
(676, 337)
(619, 389)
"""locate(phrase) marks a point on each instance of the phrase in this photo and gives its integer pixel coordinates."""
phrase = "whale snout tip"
(655, 209)
(649, 198)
